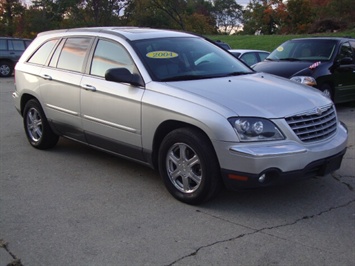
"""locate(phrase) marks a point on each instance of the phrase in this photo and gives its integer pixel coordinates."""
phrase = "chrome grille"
(318, 124)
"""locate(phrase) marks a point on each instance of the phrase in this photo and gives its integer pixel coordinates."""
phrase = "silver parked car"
(250, 57)
(145, 94)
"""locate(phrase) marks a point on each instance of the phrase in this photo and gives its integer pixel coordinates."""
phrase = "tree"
(188, 15)
(300, 16)
(10, 12)
(269, 17)
(200, 16)
(252, 17)
(103, 12)
(228, 14)
(143, 13)
(340, 10)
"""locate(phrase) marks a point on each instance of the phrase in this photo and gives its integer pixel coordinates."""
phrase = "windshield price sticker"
(280, 48)
(162, 55)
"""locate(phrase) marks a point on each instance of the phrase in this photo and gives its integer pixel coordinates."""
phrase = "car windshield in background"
(304, 50)
(176, 59)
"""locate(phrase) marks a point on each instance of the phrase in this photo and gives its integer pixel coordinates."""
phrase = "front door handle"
(88, 87)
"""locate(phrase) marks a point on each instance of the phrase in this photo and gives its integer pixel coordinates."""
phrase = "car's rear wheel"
(189, 166)
(5, 69)
(37, 129)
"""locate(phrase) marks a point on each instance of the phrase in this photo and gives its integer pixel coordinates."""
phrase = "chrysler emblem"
(318, 111)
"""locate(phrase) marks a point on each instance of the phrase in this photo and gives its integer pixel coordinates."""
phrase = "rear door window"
(73, 54)
(18, 45)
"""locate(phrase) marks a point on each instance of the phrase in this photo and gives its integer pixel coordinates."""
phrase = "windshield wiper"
(185, 77)
(237, 74)
(290, 59)
(195, 77)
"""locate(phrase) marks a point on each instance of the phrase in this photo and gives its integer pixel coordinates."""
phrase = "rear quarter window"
(27, 43)
(41, 55)
(18, 45)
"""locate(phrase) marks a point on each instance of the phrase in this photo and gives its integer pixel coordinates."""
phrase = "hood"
(259, 95)
(285, 69)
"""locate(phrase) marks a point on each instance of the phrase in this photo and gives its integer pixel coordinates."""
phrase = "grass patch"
(267, 42)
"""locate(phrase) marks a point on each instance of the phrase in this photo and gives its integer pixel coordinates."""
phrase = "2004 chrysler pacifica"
(178, 103)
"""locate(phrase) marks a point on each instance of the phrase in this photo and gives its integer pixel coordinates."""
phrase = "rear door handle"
(88, 87)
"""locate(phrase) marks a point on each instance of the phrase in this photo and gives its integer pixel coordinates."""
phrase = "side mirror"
(123, 75)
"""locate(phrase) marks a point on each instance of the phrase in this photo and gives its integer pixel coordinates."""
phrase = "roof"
(15, 38)
(324, 38)
(130, 33)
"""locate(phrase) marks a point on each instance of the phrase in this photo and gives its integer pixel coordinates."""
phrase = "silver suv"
(178, 103)
(11, 50)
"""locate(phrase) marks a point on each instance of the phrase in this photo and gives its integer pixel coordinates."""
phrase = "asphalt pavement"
(73, 205)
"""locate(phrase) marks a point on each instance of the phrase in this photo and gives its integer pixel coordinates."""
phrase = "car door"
(111, 111)
(344, 74)
(60, 85)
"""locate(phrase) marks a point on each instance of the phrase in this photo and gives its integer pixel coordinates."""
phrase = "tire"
(189, 166)
(327, 91)
(5, 69)
(37, 129)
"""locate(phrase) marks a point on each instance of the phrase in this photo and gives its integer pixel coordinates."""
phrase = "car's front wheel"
(327, 91)
(37, 129)
(189, 166)
(5, 69)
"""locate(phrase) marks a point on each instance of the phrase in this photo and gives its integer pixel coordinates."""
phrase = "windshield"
(304, 50)
(174, 59)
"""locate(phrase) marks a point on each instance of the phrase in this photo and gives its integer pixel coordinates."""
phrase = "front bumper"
(247, 165)
(273, 176)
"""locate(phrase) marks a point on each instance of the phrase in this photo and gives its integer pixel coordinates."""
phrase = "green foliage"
(190, 15)
(300, 16)
(10, 17)
(267, 42)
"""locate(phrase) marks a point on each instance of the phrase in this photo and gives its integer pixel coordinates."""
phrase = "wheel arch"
(24, 100)
(165, 128)
(329, 83)
(9, 61)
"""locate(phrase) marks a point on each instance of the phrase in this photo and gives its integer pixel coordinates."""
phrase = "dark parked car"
(11, 50)
(327, 63)
(224, 45)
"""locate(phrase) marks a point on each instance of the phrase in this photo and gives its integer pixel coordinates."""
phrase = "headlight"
(255, 129)
(305, 80)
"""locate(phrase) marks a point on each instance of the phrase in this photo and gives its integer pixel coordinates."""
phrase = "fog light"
(262, 178)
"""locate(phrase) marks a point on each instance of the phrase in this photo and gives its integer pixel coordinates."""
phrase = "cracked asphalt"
(73, 205)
